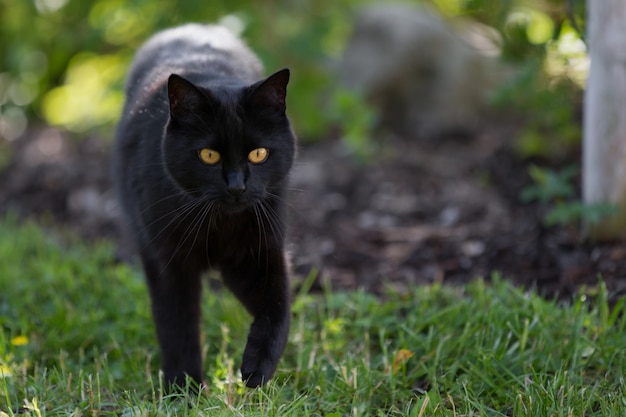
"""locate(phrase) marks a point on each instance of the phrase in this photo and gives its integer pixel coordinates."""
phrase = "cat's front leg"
(175, 295)
(264, 291)
(267, 339)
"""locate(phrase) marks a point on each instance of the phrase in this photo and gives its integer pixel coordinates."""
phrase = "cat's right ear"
(184, 97)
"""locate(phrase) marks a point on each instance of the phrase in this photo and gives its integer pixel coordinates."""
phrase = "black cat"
(202, 155)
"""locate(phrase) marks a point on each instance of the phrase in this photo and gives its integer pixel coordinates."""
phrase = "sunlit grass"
(77, 339)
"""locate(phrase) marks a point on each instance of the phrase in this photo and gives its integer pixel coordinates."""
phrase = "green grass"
(77, 339)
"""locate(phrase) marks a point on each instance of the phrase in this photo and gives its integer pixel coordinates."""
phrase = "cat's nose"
(235, 183)
(236, 191)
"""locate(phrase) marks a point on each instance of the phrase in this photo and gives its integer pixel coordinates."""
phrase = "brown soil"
(419, 212)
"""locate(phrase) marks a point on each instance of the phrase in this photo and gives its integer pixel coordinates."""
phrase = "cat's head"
(229, 144)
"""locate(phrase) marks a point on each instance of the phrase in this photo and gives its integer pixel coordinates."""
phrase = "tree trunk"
(604, 145)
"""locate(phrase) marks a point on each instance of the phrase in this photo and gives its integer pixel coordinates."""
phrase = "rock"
(420, 73)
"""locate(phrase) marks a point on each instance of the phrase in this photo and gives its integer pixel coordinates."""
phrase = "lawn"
(77, 339)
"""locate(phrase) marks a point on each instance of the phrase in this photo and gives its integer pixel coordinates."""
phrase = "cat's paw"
(266, 343)
(258, 366)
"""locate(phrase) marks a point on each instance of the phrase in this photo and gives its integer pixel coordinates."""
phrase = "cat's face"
(232, 146)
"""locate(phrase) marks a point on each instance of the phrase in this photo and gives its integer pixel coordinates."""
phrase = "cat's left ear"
(272, 92)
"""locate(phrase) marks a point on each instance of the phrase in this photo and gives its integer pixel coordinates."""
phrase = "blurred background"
(63, 62)
(440, 139)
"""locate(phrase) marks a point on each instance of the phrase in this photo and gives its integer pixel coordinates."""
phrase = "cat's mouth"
(229, 203)
(232, 204)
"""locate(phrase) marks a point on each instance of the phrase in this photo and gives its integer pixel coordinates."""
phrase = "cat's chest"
(205, 234)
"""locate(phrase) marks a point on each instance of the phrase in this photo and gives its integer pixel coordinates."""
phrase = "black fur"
(191, 88)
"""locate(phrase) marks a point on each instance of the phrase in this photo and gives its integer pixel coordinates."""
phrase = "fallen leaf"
(400, 359)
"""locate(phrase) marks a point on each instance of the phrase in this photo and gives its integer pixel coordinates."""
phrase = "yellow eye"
(209, 156)
(258, 155)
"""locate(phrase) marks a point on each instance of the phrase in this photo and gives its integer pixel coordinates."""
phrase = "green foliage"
(576, 212)
(65, 60)
(69, 106)
(547, 89)
(76, 338)
(550, 185)
(548, 106)
(361, 119)
(556, 190)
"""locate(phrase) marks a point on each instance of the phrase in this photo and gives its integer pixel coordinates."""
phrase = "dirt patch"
(421, 211)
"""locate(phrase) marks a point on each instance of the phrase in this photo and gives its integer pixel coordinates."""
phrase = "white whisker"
(193, 224)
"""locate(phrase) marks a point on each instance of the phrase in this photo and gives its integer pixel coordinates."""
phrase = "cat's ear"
(272, 92)
(183, 96)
